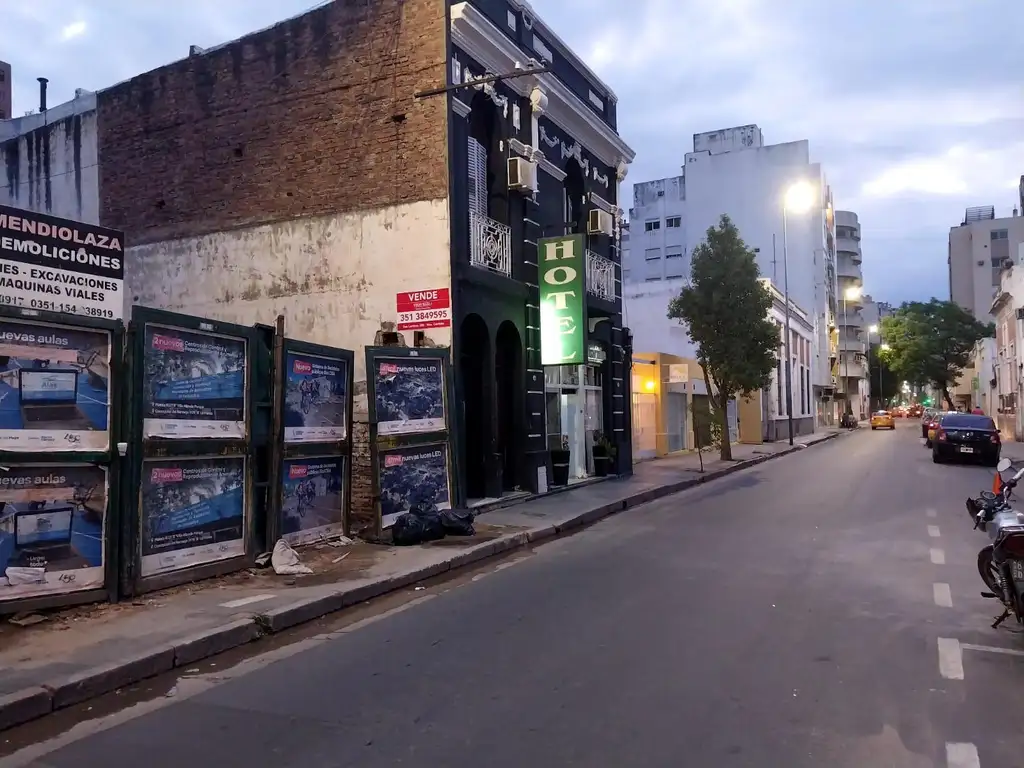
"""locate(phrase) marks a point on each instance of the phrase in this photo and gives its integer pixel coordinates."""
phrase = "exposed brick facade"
(313, 116)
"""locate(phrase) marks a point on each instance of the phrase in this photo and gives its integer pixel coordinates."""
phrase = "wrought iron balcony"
(490, 244)
(600, 276)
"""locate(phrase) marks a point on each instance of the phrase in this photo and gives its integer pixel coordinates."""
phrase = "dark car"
(966, 436)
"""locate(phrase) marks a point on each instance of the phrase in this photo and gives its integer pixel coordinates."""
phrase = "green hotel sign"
(563, 320)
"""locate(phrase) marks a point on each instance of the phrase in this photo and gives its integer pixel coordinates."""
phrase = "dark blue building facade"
(530, 157)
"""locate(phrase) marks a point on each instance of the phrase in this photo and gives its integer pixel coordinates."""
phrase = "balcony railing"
(490, 244)
(600, 276)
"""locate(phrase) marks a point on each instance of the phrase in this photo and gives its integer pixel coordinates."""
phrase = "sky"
(915, 108)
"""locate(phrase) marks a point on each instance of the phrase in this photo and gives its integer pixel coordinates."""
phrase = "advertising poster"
(60, 265)
(54, 387)
(51, 529)
(315, 399)
(193, 512)
(194, 384)
(412, 475)
(409, 395)
(313, 498)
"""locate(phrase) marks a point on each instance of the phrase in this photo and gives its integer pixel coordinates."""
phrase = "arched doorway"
(575, 199)
(474, 368)
(508, 355)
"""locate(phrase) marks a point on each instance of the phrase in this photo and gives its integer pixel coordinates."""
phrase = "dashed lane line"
(959, 755)
(943, 596)
(951, 659)
(933, 531)
(938, 556)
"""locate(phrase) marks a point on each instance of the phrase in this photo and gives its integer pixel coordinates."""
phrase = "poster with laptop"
(313, 499)
(54, 387)
(193, 512)
(408, 395)
(315, 399)
(51, 529)
(194, 384)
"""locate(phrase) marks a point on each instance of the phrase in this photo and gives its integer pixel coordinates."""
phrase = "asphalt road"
(787, 616)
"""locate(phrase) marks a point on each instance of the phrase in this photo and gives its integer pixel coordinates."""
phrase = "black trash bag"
(430, 519)
(407, 530)
(458, 522)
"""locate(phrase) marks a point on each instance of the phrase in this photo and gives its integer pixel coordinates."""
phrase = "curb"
(37, 701)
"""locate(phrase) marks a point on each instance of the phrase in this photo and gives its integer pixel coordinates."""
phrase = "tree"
(725, 308)
(931, 342)
(885, 384)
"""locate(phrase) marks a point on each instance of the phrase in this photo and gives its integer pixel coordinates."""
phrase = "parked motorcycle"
(1001, 563)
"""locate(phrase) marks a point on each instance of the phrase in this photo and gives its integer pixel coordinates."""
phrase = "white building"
(733, 172)
(854, 379)
(978, 247)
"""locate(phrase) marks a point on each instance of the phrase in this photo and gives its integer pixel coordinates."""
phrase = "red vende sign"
(420, 310)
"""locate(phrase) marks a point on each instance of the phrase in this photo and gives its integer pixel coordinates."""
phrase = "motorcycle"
(1001, 563)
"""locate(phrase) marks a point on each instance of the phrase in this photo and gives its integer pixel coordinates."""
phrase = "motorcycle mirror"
(1003, 465)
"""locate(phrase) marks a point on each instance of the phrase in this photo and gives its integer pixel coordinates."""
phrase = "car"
(966, 436)
(915, 411)
(882, 420)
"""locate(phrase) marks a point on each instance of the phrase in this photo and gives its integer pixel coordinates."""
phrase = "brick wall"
(313, 116)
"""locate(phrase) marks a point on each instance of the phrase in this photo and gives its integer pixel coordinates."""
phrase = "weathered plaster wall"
(50, 161)
(333, 278)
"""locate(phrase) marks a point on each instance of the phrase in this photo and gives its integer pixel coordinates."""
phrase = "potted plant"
(560, 463)
(604, 452)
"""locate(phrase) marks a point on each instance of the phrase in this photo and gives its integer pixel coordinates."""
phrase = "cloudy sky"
(914, 107)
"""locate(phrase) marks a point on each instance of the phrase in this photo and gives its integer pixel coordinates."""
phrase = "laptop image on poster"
(49, 395)
(43, 535)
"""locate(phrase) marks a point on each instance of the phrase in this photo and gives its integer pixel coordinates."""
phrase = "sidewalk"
(84, 652)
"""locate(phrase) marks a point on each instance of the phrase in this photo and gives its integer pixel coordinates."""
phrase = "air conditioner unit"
(522, 174)
(600, 222)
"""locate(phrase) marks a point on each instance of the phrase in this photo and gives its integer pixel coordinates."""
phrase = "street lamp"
(850, 294)
(872, 330)
(799, 199)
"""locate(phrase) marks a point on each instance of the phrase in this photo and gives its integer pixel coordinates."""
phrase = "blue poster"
(411, 475)
(54, 387)
(315, 399)
(193, 512)
(51, 529)
(408, 395)
(194, 384)
(313, 498)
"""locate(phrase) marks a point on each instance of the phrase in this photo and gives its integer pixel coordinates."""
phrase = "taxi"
(882, 420)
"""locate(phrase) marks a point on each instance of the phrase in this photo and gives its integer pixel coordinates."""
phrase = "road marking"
(246, 601)
(951, 659)
(992, 649)
(962, 756)
(943, 597)
(933, 531)
(932, 513)
(938, 556)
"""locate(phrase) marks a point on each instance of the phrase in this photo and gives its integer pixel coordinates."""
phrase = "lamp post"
(872, 330)
(884, 348)
(850, 294)
(799, 198)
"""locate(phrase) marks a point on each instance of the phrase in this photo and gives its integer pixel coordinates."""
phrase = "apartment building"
(978, 249)
(733, 171)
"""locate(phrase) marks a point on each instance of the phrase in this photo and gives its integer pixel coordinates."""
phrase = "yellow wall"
(652, 369)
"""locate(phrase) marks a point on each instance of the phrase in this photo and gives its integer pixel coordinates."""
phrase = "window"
(651, 226)
(511, 21)
(654, 279)
(540, 47)
(674, 222)
(675, 264)
(596, 101)
(652, 254)
(999, 234)
(477, 172)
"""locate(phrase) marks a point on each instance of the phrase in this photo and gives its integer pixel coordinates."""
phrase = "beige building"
(977, 250)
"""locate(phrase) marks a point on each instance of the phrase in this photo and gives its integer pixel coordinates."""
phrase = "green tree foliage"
(931, 342)
(726, 310)
(885, 384)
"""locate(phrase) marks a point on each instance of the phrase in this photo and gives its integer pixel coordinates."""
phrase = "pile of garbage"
(425, 522)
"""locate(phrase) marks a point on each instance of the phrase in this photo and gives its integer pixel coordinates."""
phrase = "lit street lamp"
(799, 198)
